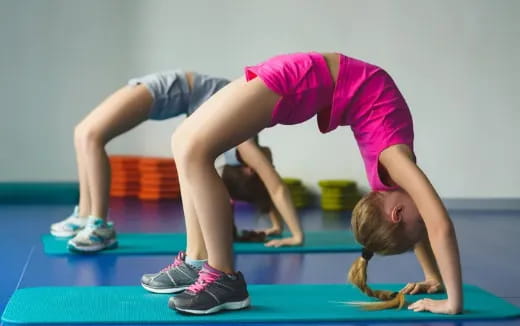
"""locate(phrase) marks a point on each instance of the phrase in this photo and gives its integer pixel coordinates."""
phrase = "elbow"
(281, 193)
(443, 229)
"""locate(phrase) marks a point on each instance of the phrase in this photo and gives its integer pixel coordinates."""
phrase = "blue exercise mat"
(171, 243)
(270, 304)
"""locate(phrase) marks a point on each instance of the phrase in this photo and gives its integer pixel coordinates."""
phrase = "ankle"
(80, 212)
(221, 269)
(198, 263)
(198, 254)
(95, 220)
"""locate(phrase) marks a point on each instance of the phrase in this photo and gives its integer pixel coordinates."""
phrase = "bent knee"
(87, 135)
(191, 147)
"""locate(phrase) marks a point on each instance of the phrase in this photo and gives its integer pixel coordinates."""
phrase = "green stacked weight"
(299, 194)
(338, 195)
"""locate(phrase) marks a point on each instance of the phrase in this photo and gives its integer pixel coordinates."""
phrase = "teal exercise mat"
(171, 243)
(270, 304)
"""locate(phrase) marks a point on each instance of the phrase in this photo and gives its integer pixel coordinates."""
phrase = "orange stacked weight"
(158, 179)
(125, 176)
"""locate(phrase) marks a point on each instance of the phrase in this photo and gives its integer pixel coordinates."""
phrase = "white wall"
(57, 59)
(455, 62)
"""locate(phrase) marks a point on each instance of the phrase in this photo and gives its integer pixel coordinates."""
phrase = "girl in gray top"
(156, 96)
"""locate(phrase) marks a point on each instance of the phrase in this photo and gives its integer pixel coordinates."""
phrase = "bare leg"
(233, 115)
(195, 246)
(276, 222)
(120, 112)
(84, 195)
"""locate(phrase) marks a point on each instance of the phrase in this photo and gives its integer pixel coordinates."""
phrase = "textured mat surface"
(171, 243)
(270, 303)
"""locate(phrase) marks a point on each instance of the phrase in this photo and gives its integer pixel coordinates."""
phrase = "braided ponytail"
(357, 275)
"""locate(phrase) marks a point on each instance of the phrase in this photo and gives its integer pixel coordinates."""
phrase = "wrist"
(455, 307)
(433, 277)
(298, 236)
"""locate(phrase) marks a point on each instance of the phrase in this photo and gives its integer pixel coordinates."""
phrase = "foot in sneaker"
(96, 236)
(174, 278)
(70, 226)
(214, 291)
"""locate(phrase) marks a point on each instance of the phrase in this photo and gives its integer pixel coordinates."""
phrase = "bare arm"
(274, 216)
(426, 258)
(276, 223)
(432, 278)
(253, 156)
(441, 233)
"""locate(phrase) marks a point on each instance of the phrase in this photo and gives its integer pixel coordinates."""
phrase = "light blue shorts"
(171, 92)
(172, 96)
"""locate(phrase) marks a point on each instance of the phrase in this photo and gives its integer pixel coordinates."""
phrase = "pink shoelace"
(176, 262)
(206, 277)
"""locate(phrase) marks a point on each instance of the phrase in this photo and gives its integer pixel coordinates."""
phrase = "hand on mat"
(292, 241)
(435, 306)
(427, 286)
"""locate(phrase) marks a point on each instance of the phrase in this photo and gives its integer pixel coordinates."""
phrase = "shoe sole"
(112, 244)
(237, 305)
(59, 234)
(162, 291)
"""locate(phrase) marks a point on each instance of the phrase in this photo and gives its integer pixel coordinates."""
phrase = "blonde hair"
(377, 235)
(357, 275)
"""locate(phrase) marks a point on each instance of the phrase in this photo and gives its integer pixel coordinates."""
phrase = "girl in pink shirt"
(403, 212)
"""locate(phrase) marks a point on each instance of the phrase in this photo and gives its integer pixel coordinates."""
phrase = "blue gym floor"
(489, 243)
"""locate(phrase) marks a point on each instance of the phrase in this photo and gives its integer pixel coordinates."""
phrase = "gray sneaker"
(214, 291)
(174, 278)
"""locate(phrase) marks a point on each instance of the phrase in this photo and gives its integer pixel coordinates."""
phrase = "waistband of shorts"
(183, 80)
(321, 67)
(330, 120)
(201, 78)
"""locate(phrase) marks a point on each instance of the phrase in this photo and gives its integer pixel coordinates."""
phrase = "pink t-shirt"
(367, 99)
(302, 79)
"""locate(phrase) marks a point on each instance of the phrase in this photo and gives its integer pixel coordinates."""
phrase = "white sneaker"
(70, 226)
(96, 236)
